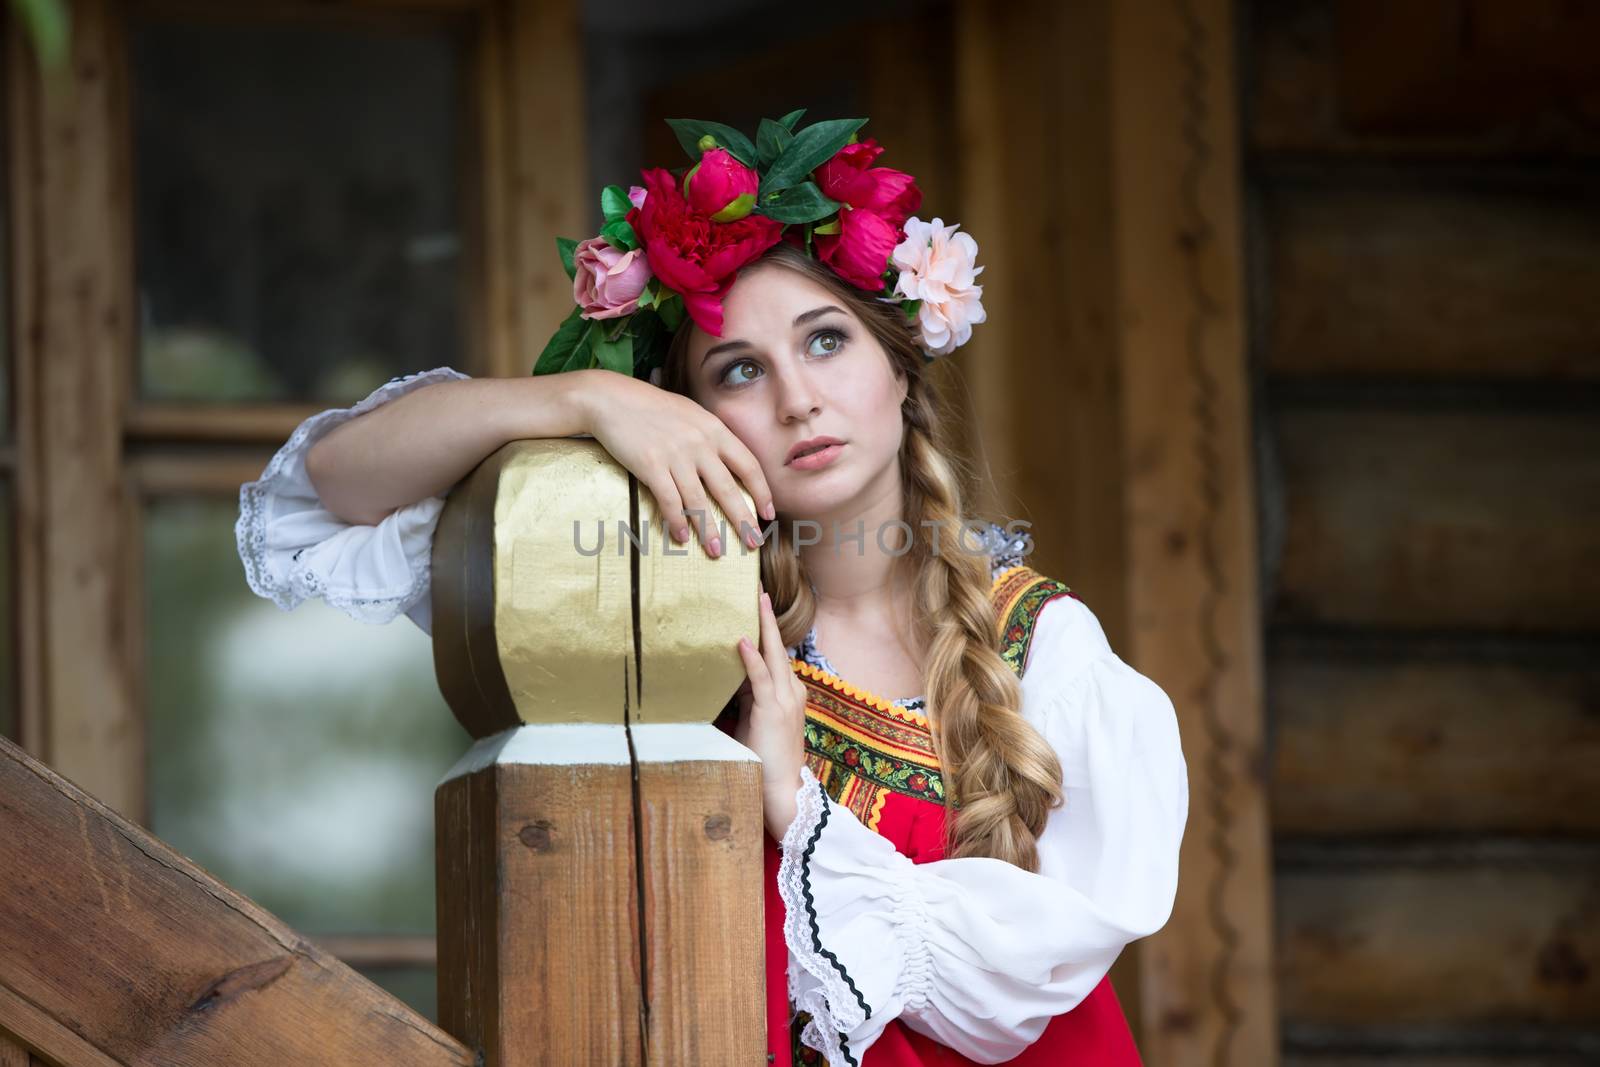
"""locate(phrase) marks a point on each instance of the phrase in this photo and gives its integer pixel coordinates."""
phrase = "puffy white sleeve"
(294, 548)
(976, 953)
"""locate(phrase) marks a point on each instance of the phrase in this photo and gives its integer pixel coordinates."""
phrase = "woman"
(951, 872)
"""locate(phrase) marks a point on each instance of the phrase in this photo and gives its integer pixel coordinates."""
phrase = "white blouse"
(975, 953)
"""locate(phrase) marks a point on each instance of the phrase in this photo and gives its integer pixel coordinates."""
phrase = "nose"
(798, 398)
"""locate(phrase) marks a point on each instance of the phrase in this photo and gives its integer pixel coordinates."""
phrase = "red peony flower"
(919, 782)
(851, 757)
(720, 187)
(692, 255)
(850, 178)
(859, 252)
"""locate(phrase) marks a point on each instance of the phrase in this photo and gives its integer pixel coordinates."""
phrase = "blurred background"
(1291, 360)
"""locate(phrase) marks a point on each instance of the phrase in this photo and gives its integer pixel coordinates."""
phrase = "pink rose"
(636, 194)
(720, 187)
(859, 252)
(938, 267)
(608, 282)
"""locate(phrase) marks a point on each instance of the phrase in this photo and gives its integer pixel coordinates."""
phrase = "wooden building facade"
(1291, 360)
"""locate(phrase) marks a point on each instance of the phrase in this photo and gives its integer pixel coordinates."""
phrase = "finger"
(668, 504)
(726, 490)
(697, 508)
(772, 648)
(755, 669)
(739, 459)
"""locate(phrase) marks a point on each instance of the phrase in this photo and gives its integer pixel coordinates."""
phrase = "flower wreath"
(672, 246)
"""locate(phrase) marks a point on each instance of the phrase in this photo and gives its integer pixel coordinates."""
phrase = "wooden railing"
(599, 848)
(114, 949)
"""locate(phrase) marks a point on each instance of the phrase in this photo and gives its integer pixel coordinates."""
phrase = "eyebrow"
(799, 320)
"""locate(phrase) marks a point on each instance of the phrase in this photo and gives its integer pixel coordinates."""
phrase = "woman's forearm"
(421, 444)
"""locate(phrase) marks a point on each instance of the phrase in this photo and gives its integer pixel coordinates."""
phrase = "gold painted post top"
(558, 598)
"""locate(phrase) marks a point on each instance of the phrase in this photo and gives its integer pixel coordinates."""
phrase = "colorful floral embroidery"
(862, 747)
(1018, 594)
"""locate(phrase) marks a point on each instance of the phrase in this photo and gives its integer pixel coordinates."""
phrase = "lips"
(812, 444)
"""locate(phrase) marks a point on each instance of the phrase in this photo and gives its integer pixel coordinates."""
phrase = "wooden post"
(599, 848)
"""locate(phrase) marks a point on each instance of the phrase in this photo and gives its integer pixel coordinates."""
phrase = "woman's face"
(792, 364)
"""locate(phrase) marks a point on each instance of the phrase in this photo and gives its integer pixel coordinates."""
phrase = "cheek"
(754, 430)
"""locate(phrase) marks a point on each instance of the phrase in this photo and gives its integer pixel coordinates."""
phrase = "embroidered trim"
(871, 700)
(866, 760)
(832, 1008)
(1019, 593)
(880, 797)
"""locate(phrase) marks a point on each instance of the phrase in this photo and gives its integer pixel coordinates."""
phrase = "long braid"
(1002, 777)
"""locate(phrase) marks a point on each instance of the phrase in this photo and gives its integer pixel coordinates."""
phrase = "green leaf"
(811, 148)
(652, 290)
(771, 139)
(615, 354)
(582, 355)
(566, 246)
(690, 131)
(559, 348)
(614, 202)
(829, 228)
(800, 203)
(619, 234)
(671, 311)
(788, 121)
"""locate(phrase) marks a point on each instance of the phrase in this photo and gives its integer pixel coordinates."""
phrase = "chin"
(821, 496)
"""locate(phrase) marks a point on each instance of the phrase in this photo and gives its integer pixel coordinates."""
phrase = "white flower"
(937, 267)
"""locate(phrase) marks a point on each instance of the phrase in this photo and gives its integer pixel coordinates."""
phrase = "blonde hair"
(1002, 778)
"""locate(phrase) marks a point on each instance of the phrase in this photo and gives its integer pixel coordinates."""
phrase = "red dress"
(843, 724)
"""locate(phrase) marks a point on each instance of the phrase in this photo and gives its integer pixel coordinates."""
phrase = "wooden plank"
(1189, 502)
(1388, 1057)
(115, 949)
(541, 162)
(186, 472)
(12, 1052)
(1463, 78)
(700, 839)
(1470, 519)
(218, 423)
(1386, 279)
(1499, 940)
(74, 339)
(1464, 740)
(537, 912)
(1113, 390)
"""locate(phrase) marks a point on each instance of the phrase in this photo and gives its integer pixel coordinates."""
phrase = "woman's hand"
(772, 714)
(679, 450)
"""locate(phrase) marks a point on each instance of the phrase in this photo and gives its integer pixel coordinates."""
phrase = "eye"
(831, 342)
(729, 377)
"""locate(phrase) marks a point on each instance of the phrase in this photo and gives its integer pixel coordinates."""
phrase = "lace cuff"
(293, 548)
(855, 925)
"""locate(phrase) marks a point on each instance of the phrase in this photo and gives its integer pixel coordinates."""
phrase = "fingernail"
(771, 510)
(752, 538)
(681, 533)
(715, 546)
